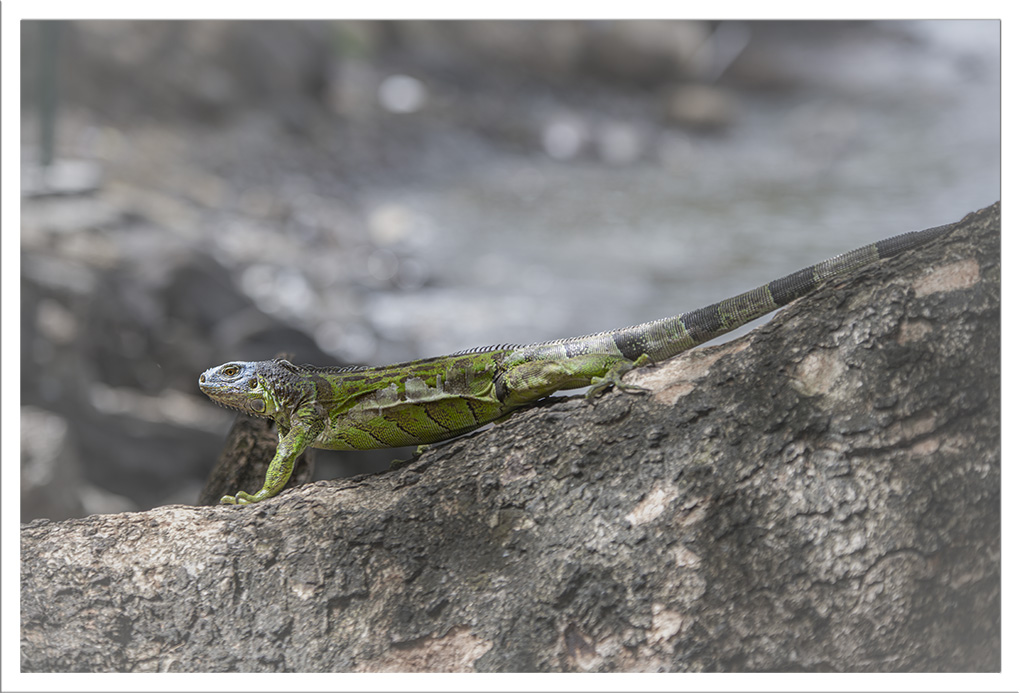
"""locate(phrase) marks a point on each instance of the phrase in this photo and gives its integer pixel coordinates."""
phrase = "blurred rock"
(53, 484)
(701, 106)
(402, 94)
(620, 143)
(565, 136)
(553, 47)
(45, 217)
(143, 460)
(644, 51)
(96, 501)
(352, 89)
(299, 71)
(56, 323)
(62, 177)
(50, 475)
(204, 70)
(638, 51)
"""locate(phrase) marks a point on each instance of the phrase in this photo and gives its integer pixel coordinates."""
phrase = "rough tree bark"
(821, 494)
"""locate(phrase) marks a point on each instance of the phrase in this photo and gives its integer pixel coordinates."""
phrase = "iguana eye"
(231, 371)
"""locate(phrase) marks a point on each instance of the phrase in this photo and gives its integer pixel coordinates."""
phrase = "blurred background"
(372, 192)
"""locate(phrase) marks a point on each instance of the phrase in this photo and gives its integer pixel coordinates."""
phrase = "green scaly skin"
(425, 401)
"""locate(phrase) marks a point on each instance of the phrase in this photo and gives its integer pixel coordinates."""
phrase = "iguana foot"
(614, 377)
(418, 452)
(243, 498)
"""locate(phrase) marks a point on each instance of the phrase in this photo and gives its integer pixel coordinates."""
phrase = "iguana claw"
(243, 498)
(614, 377)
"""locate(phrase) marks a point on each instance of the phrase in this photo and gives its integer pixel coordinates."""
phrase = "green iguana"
(419, 402)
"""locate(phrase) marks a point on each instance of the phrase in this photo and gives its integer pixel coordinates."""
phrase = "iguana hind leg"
(614, 377)
(535, 378)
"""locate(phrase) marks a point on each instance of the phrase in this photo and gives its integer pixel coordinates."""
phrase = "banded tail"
(660, 339)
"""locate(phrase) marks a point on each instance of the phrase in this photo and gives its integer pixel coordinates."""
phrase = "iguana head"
(243, 385)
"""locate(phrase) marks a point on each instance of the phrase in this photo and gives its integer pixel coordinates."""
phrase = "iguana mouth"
(242, 410)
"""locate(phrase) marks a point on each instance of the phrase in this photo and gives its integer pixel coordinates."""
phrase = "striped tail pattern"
(666, 337)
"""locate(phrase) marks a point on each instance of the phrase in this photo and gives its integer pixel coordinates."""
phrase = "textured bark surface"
(822, 494)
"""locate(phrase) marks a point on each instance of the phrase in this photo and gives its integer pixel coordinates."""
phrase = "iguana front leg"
(305, 425)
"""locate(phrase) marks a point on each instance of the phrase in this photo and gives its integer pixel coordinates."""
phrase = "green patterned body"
(424, 401)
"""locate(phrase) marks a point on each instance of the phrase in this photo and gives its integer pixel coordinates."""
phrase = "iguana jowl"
(361, 408)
